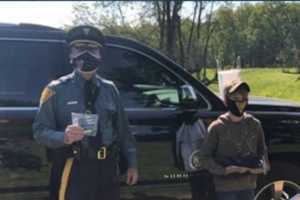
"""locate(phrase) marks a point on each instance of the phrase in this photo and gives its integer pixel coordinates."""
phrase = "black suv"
(149, 82)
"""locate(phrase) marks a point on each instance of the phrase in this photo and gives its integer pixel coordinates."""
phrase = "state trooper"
(85, 165)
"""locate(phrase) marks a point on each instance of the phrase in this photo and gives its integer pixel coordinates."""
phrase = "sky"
(51, 13)
(55, 14)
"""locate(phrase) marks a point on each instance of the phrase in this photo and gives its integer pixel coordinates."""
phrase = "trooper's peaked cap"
(85, 33)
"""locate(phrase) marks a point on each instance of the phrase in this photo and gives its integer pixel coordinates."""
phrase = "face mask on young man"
(85, 57)
(237, 102)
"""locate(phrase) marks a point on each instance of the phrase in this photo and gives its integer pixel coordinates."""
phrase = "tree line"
(204, 34)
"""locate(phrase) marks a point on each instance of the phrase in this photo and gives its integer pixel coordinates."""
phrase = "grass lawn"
(269, 82)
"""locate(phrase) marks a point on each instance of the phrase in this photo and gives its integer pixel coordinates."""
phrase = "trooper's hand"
(73, 134)
(132, 176)
(235, 169)
(256, 170)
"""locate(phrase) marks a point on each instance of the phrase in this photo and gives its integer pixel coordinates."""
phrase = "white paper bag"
(227, 76)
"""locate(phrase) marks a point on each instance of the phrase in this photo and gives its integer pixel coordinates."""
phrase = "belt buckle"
(76, 152)
(101, 154)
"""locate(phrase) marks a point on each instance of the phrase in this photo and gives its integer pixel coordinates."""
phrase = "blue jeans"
(236, 195)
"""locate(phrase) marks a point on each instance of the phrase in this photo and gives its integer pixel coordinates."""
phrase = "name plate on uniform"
(89, 122)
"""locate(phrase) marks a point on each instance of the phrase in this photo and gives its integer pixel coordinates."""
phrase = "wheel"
(279, 190)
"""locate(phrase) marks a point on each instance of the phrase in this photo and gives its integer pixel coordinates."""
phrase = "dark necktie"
(90, 95)
(91, 92)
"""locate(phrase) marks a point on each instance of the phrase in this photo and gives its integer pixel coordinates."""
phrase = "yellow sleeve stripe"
(46, 94)
(65, 179)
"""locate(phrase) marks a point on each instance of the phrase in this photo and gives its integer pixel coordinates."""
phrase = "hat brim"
(239, 85)
(86, 41)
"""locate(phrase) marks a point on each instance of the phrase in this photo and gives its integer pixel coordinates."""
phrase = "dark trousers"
(202, 187)
(93, 180)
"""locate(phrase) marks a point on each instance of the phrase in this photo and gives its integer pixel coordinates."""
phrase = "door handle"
(4, 121)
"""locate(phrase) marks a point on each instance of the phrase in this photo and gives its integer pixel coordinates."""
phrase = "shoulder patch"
(46, 94)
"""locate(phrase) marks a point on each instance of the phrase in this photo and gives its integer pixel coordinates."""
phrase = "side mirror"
(187, 96)
(187, 93)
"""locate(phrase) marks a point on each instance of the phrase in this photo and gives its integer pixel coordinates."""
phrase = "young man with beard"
(85, 153)
(235, 146)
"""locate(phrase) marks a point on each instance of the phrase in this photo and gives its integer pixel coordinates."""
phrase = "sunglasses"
(78, 49)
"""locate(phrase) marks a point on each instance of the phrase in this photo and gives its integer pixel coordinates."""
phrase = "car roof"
(36, 32)
(30, 31)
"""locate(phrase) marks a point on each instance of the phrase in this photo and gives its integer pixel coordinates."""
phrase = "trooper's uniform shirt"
(59, 99)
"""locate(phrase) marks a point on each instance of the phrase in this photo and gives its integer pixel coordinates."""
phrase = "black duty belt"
(101, 153)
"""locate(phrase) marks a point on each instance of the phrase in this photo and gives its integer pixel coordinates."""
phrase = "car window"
(25, 68)
(142, 82)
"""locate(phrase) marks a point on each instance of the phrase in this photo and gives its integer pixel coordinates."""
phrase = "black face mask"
(90, 63)
(232, 107)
